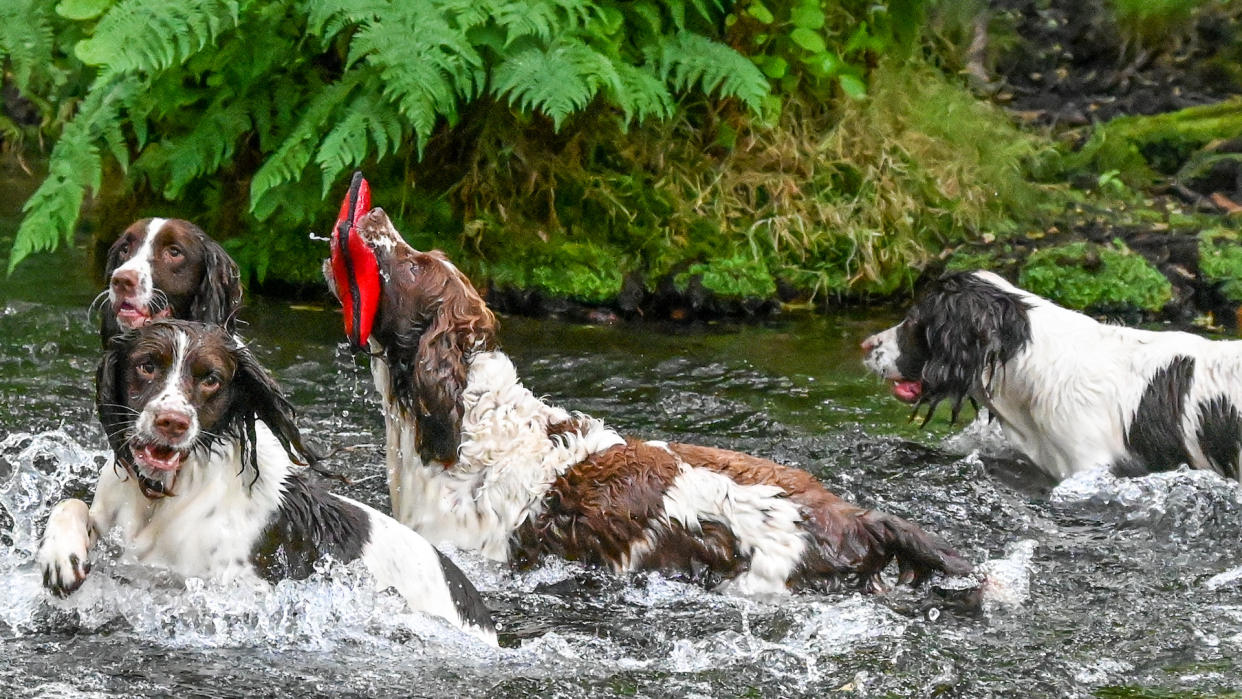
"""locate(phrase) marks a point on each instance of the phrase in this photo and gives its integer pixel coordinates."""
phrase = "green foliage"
(1220, 261)
(248, 113)
(732, 278)
(815, 49)
(1086, 276)
(584, 272)
(1136, 149)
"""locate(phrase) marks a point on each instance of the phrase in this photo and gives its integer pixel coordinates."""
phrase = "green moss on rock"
(584, 272)
(1220, 261)
(968, 260)
(1086, 276)
(733, 278)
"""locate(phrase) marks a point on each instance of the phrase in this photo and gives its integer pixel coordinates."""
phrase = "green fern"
(542, 19)
(25, 39)
(75, 167)
(295, 152)
(558, 81)
(424, 64)
(153, 35)
(367, 120)
(202, 151)
(689, 60)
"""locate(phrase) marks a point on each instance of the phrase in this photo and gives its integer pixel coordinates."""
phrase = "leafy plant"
(285, 97)
(733, 278)
(1220, 261)
(1086, 276)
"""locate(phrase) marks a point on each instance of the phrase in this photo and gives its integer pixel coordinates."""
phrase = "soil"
(1071, 66)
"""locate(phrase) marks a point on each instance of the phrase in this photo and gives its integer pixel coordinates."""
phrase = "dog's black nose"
(124, 281)
(172, 425)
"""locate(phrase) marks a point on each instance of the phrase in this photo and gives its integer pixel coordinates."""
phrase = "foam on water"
(337, 604)
(983, 435)
(1182, 504)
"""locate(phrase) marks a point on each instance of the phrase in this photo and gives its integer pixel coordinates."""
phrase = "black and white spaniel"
(1070, 393)
(205, 482)
(474, 458)
(167, 267)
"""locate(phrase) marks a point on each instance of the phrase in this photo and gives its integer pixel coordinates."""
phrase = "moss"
(1136, 148)
(1220, 261)
(584, 272)
(964, 260)
(1087, 276)
(735, 278)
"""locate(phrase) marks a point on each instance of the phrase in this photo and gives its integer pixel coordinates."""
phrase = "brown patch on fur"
(201, 282)
(430, 321)
(850, 542)
(560, 429)
(598, 510)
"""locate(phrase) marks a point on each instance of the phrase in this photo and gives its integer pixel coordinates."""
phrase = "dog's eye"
(174, 251)
(210, 382)
(146, 368)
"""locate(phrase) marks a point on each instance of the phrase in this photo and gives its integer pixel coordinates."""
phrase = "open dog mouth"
(907, 391)
(156, 467)
(132, 316)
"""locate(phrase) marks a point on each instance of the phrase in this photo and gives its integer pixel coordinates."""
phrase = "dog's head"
(952, 340)
(428, 319)
(161, 268)
(170, 387)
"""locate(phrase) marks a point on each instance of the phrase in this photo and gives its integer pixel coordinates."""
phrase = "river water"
(1102, 587)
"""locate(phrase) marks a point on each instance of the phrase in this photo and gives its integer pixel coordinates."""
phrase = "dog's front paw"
(62, 553)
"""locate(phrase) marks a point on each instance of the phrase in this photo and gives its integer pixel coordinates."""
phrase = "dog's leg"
(62, 555)
(918, 553)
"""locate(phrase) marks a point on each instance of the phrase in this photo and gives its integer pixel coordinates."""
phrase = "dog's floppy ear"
(264, 401)
(219, 294)
(460, 325)
(108, 327)
(110, 405)
(969, 327)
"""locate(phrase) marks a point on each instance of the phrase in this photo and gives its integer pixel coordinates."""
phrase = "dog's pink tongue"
(161, 458)
(908, 391)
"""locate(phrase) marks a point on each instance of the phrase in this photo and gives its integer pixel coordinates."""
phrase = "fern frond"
(75, 166)
(327, 18)
(642, 94)
(687, 60)
(25, 39)
(153, 35)
(366, 121)
(543, 19)
(425, 64)
(295, 152)
(557, 81)
(209, 146)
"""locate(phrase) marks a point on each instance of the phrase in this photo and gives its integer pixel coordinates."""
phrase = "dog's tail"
(918, 553)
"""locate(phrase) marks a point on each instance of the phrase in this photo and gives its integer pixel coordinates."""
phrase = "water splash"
(1181, 505)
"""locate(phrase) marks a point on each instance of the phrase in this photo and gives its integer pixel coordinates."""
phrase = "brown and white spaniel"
(167, 267)
(475, 459)
(205, 482)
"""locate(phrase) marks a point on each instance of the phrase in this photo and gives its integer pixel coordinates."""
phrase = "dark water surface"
(1102, 588)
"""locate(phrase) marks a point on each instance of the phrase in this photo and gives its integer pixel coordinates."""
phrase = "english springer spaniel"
(205, 482)
(475, 459)
(1070, 393)
(167, 267)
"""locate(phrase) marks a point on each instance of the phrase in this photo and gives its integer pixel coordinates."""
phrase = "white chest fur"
(209, 527)
(506, 461)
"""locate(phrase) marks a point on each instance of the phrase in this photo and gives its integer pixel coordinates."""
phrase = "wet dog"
(1070, 393)
(475, 459)
(168, 268)
(206, 483)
